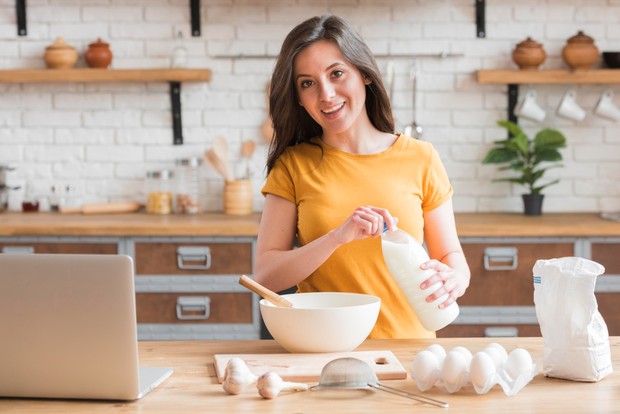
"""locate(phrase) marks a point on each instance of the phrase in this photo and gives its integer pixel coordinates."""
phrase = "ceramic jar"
(60, 55)
(580, 52)
(98, 55)
(529, 54)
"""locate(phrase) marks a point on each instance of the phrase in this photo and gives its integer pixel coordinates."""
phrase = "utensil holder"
(238, 197)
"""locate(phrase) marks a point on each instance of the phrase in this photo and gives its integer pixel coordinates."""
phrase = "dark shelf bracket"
(20, 12)
(480, 19)
(513, 97)
(175, 100)
(194, 8)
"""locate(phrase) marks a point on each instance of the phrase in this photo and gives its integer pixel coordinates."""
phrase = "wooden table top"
(215, 224)
(193, 387)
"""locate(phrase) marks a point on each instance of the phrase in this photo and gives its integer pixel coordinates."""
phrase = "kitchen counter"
(214, 224)
(193, 387)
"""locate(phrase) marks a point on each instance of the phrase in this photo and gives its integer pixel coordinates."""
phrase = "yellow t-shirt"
(327, 185)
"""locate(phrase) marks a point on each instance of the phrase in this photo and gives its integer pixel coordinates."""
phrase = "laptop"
(68, 328)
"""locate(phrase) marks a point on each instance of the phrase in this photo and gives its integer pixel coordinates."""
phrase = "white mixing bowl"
(322, 322)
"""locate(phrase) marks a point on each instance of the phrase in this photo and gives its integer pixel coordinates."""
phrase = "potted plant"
(524, 155)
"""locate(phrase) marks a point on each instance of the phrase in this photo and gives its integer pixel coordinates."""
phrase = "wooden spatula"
(265, 293)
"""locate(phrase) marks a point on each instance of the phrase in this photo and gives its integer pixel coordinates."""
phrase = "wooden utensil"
(247, 149)
(218, 164)
(221, 150)
(265, 293)
(103, 208)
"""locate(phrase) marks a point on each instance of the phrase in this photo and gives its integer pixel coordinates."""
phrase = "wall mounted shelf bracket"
(194, 8)
(175, 100)
(20, 12)
(480, 19)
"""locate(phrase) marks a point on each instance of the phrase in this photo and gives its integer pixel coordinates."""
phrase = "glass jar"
(189, 196)
(159, 192)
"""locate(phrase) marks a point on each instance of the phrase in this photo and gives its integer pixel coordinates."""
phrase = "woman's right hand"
(365, 221)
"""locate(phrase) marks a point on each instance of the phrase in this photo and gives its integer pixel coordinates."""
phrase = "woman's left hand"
(453, 282)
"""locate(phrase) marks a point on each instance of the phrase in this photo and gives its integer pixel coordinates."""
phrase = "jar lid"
(580, 37)
(529, 43)
(160, 174)
(189, 162)
(60, 44)
(99, 43)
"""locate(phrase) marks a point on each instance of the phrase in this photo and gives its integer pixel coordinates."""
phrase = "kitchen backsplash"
(102, 138)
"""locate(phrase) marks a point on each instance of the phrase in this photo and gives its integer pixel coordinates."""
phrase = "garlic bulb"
(270, 384)
(237, 376)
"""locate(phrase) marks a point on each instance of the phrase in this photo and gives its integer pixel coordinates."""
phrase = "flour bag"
(574, 332)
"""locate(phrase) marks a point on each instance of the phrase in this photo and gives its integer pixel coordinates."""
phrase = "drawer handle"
(500, 258)
(501, 332)
(199, 256)
(193, 307)
(18, 249)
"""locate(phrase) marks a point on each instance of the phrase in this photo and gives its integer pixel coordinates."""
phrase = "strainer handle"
(417, 397)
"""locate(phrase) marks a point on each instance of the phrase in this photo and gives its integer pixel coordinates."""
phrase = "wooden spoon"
(217, 164)
(265, 293)
(221, 150)
(247, 149)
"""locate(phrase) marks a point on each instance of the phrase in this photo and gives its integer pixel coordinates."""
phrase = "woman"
(337, 173)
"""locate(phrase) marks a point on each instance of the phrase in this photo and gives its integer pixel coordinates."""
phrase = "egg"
(465, 352)
(439, 352)
(425, 369)
(454, 366)
(481, 370)
(498, 357)
(500, 348)
(518, 363)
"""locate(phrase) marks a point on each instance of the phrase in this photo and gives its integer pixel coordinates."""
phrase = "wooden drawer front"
(226, 307)
(490, 331)
(609, 307)
(163, 259)
(73, 248)
(607, 254)
(506, 287)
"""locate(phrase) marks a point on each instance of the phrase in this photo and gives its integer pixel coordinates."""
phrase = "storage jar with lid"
(159, 192)
(60, 55)
(580, 52)
(529, 54)
(98, 54)
(188, 198)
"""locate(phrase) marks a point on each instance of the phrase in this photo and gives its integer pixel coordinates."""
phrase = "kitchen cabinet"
(84, 245)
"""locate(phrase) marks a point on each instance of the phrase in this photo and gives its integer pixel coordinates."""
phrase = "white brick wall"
(102, 138)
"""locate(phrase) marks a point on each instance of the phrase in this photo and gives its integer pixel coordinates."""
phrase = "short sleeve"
(280, 181)
(437, 187)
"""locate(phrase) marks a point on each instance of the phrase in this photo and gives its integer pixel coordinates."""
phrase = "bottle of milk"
(403, 256)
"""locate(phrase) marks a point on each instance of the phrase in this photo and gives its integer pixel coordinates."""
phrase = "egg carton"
(433, 367)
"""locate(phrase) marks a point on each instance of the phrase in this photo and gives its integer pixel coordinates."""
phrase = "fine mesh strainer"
(355, 374)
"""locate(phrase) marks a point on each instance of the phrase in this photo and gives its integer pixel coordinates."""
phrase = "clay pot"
(60, 55)
(98, 55)
(580, 52)
(529, 54)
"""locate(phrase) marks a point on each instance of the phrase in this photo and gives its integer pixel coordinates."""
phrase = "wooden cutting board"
(307, 367)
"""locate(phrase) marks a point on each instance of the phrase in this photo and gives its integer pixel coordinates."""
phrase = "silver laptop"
(68, 328)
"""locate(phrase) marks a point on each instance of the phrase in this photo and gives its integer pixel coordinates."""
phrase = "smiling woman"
(338, 173)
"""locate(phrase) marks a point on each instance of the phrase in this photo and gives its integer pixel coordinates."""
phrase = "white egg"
(454, 366)
(500, 348)
(497, 356)
(465, 352)
(439, 352)
(482, 369)
(519, 362)
(424, 369)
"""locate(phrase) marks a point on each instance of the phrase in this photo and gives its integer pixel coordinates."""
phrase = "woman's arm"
(278, 266)
(446, 254)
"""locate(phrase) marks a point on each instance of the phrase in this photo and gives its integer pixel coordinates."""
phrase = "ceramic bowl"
(322, 322)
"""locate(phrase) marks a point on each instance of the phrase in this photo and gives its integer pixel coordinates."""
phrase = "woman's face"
(331, 89)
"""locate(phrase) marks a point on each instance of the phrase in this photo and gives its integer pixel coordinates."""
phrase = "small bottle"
(30, 204)
(189, 194)
(159, 192)
(55, 198)
(403, 256)
(179, 53)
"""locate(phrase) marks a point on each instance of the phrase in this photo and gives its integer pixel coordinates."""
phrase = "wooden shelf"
(515, 77)
(87, 75)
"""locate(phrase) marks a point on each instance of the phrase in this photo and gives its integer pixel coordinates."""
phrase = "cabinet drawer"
(170, 258)
(194, 308)
(505, 280)
(607, 254)
(609, 307)
(56, 248)
(489, 331)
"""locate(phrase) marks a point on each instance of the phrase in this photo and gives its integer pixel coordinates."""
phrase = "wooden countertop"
(193, 387)
(213, 224)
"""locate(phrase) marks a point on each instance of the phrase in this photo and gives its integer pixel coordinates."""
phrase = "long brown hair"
(292, 124)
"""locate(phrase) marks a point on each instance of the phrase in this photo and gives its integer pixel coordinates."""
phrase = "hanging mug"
(529, 108)
(569, 109)
(606, 106)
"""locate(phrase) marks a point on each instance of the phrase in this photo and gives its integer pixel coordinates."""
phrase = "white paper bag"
(574, 332)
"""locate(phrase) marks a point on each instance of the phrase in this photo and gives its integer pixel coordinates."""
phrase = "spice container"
(529, 54)
(580, 52)
(159, 192)
(189, 195)
(98, 54)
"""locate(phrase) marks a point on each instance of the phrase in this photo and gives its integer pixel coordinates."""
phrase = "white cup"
(529, 108)
(606, 106)
(569, 109)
